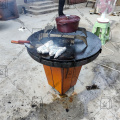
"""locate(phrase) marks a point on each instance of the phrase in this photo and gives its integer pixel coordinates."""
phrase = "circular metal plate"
(77, 53)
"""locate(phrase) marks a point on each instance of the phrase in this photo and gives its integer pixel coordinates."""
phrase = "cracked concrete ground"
(25, 93)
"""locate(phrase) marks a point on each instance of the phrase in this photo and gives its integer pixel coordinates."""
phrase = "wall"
(20, 2)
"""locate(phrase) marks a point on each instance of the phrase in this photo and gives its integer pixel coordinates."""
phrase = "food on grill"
(60, 51)
(45, 48)
(52, 49)
(49, 43)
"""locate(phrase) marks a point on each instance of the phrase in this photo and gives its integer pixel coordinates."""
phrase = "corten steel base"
(62, 79)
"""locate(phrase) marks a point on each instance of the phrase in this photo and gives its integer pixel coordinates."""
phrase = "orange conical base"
(62, 79)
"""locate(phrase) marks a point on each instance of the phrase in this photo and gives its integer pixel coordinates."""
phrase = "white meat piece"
(49, 43)
(45, 48)
(60, 51)
(45, 51)
(53, 50)
(41, 48)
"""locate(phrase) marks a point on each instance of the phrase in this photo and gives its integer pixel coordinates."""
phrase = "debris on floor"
(93, 87)
(115, 14)
(22, 29)
(93, 12)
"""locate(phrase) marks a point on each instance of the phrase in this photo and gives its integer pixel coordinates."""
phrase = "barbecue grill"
(62, 73)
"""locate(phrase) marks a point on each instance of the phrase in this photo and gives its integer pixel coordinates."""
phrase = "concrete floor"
(25, 93)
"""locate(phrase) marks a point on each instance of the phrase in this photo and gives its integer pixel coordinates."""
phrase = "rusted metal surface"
(62, 79)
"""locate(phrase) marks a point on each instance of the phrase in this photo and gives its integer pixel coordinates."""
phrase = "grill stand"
(62, 73)
(62, 79)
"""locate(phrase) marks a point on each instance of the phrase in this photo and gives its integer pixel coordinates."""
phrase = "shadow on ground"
(75, 107)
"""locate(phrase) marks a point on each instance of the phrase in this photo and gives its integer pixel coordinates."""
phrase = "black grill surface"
(77, 52)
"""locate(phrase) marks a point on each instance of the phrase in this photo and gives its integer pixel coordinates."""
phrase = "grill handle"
(20, 41)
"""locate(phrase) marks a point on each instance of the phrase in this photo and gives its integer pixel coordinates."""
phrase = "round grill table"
(62, 73)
